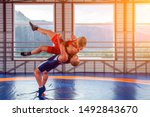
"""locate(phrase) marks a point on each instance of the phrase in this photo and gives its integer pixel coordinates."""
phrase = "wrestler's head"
(82, 41)
(80, 44)
(75, 61)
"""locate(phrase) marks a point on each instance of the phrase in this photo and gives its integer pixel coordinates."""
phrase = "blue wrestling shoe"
(41, 91)
(41, 98)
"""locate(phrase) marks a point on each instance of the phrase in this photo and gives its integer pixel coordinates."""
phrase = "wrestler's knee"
(45, 73)
(36, 71)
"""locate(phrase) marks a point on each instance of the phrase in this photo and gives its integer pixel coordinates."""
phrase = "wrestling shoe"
(33, 27)
(42, 97)
(41, 91)
(25, 53)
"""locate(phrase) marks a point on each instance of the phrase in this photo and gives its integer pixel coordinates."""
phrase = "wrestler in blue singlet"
(50, 64)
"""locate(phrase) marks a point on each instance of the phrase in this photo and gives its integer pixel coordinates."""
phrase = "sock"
(41, 90)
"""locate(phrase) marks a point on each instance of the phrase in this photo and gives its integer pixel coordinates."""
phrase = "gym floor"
(77, 86)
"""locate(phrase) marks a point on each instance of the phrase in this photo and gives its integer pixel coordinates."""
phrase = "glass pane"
(142, 29)
(24, 38)
(96, 23)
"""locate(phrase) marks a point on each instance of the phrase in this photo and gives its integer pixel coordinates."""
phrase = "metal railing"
(142, 50)
(103, 50)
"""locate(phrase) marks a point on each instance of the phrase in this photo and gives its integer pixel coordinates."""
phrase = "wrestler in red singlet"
(55, 49)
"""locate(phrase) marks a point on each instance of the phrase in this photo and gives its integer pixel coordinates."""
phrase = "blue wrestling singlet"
(50, 64)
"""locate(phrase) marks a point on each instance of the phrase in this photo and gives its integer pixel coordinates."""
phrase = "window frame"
(114, 31)
(134, 33)
(13, 24)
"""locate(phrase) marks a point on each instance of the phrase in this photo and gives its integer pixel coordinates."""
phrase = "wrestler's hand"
(60, 36)
(72, 50)
(63, 54)
(73, 37)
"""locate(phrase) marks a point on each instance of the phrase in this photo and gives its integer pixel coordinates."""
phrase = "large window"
(142, 32)
(96, 23)
(24, 38)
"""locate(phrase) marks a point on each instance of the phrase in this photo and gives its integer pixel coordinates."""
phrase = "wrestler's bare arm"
(63, 54)
(73, 37)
